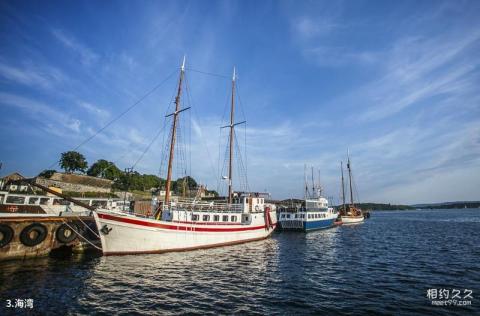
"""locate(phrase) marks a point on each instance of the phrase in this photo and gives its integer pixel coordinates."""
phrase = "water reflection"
(384, 266)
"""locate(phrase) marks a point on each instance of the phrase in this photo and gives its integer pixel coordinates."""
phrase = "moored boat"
(349, 214)
(312, 214)
(186, 225)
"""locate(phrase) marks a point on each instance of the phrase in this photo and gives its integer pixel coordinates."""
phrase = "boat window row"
(316, 216)
(216, 218)
(288, 216)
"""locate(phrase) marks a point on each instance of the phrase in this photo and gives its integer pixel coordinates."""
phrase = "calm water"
(382, 266)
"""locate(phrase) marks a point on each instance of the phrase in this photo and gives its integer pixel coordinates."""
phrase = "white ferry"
(313, 214)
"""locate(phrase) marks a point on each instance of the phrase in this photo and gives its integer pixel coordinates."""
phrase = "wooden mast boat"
(349, 214)
(186, 225)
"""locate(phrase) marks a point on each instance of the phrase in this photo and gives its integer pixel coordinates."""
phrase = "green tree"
(104, 169)
(187, 181)
(46, 173)
(72, 161)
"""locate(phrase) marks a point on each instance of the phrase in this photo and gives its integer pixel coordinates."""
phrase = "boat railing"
(190, 205)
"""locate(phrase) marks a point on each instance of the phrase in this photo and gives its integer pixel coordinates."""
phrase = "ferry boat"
(312, 214)
(186, 225)
(349, 214)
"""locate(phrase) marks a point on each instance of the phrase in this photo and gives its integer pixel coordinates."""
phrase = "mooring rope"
(80, 235)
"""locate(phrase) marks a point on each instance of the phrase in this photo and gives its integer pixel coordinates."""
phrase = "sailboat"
(187, 225)
(349, 214)
(313, 214)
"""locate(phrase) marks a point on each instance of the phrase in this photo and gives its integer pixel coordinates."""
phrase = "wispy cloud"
(308, 28)
(35, 76)
(87, 55)
(42, 113)
(93, 109)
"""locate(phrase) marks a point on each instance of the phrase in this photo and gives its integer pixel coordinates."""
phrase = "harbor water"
(385, 265)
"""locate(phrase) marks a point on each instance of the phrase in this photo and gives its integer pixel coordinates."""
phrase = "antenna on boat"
(319, 185)
(174, 134)
(231, 138)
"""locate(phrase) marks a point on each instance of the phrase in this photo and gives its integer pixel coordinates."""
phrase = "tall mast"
(313, 185)
(343, 185)
(174, 132)
(306, 183)
(350, 177)
(232, 110)
(232, 134)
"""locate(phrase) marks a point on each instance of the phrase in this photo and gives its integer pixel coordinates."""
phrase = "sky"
(394, 82)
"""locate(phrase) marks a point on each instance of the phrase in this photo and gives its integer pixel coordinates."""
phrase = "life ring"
(33, 234)
(66, 233)
(6, 235)
(257, 208)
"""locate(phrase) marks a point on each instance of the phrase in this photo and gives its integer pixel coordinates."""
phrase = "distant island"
(399, 207)
(449, 205)
(384, 207)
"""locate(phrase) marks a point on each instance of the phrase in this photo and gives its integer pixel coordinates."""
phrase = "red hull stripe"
(175, 227)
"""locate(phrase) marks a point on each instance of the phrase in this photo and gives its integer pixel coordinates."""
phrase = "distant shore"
(397, 207)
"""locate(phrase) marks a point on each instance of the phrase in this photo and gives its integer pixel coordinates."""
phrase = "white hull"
(128, 234)
(352, 219)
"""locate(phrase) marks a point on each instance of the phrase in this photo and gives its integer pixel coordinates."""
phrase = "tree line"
(75, 162)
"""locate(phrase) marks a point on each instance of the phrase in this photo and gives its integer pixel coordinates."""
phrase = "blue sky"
(395, 82)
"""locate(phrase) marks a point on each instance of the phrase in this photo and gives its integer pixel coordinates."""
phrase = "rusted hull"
(17, 248)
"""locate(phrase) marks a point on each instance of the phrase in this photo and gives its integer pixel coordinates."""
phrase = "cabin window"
(216, 218)
(44, 201)
(296, 215)
(15, 199)
(206, 218)
(233, 218)
(288, 215)
(225, 218)
(195, 217)
(32, 200)
(98, 203)
(60, 202)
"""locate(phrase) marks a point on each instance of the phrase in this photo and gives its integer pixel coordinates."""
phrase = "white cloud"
(87, 56)
(44, 114)
(93, 109)
(34, 76)
(308, 28)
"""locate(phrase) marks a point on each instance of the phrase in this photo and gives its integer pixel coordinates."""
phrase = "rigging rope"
(149, 145)
(208, 73)
(203, 139)
(121, 114)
